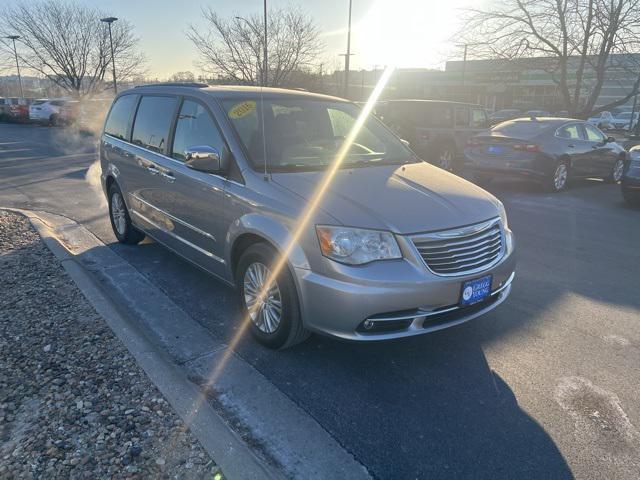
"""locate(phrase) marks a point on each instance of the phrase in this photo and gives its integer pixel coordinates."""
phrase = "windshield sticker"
(242, 109)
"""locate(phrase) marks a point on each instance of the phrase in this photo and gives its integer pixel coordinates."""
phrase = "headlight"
(356, 246)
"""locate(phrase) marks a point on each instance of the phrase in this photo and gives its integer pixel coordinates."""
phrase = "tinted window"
(522, 128)
(593, 134)
(119, 116)
(462, 117)
(478, 118)
(570, 131)
(195, 127)
(422, 114)
(152, 122)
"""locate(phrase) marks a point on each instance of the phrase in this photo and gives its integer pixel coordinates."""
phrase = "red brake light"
(526, 147)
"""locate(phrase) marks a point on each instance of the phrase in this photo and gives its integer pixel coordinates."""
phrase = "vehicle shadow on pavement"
(424, 407)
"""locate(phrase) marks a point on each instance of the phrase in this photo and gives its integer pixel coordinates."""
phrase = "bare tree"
(232, 48)
(67, 43)
(579, 42)
(184, 76)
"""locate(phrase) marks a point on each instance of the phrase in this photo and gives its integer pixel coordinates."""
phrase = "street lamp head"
(109, 20)
(13, 37)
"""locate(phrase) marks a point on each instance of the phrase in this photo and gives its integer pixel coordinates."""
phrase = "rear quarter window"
(117, 123)
(151, 126)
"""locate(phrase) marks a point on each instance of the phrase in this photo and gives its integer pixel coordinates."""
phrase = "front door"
(602, 157)
(194, 201)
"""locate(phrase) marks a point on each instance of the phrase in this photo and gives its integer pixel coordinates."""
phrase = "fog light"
(369, 324)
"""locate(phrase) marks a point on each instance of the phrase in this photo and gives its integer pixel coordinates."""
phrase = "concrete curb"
(172, 347)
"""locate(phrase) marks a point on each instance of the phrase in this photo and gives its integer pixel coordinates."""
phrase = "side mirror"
(610, 140)
(205, 159)
(405, 142)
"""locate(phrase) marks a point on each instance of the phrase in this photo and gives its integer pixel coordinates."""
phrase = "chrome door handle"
(153, 170)
(168, 176)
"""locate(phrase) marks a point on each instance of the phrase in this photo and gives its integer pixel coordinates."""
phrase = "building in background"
(496, 84)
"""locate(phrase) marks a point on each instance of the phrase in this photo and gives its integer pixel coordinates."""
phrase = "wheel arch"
(255, 228)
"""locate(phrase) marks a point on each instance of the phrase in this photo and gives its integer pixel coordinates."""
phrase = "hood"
(401, 198)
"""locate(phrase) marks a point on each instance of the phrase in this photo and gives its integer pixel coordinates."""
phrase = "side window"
(462, 117)
(151, 126)
(571, 132)
(593, 134)
(194, 127)
(119, 117)
(478, 118)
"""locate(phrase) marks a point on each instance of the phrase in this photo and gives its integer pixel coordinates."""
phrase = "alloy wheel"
(445, 160)
(560, 176)
(118, 213)
(265, 307)
(618, 170)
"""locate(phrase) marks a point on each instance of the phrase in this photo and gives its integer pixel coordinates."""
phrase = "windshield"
(307, 134)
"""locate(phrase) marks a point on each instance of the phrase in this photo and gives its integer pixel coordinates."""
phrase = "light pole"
(15, 52)
(347, 55)
(109, 21)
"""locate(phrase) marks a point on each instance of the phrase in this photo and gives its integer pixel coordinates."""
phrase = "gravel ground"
(73, 402)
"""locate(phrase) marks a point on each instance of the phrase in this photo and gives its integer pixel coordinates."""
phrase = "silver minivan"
(235, 180)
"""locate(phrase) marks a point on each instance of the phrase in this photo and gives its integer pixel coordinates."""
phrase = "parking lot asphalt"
(546, 386)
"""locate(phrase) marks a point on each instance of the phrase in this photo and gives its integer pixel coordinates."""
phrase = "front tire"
(617, 172)
(274, 315)
(121, 224)
(558, 180)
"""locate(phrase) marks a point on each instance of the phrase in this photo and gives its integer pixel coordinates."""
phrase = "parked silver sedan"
(229, 177)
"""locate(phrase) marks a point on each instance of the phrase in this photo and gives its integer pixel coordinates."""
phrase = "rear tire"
(617, 171)
(558, 180)
(54, 120)
(121, 224)
(445, 158)
(275, 319)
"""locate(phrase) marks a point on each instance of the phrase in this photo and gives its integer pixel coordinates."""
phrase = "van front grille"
(462, 251)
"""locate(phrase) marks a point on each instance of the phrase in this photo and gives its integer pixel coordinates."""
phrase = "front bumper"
(417, 300)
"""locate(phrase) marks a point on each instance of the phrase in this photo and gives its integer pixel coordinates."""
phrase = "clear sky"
(407, 33)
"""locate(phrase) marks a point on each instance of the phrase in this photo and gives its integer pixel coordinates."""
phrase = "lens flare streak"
(301, 225)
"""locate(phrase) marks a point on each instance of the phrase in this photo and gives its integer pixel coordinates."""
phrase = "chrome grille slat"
(486, 244)
(439, 242)
(467, 259)
(462, 251)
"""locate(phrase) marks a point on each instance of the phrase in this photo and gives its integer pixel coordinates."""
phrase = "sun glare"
(407, 33)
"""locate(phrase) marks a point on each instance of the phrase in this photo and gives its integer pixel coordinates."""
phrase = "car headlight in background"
(356, 246)
(503, 215)
(508, 234)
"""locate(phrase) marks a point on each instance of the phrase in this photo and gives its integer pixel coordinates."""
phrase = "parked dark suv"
(436, 130)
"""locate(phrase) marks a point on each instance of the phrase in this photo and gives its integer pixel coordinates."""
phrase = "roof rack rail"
(174, 84)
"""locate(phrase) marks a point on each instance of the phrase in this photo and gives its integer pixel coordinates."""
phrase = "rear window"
(522, 128)
(38, 102)
(118, 122)
(151, 126)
